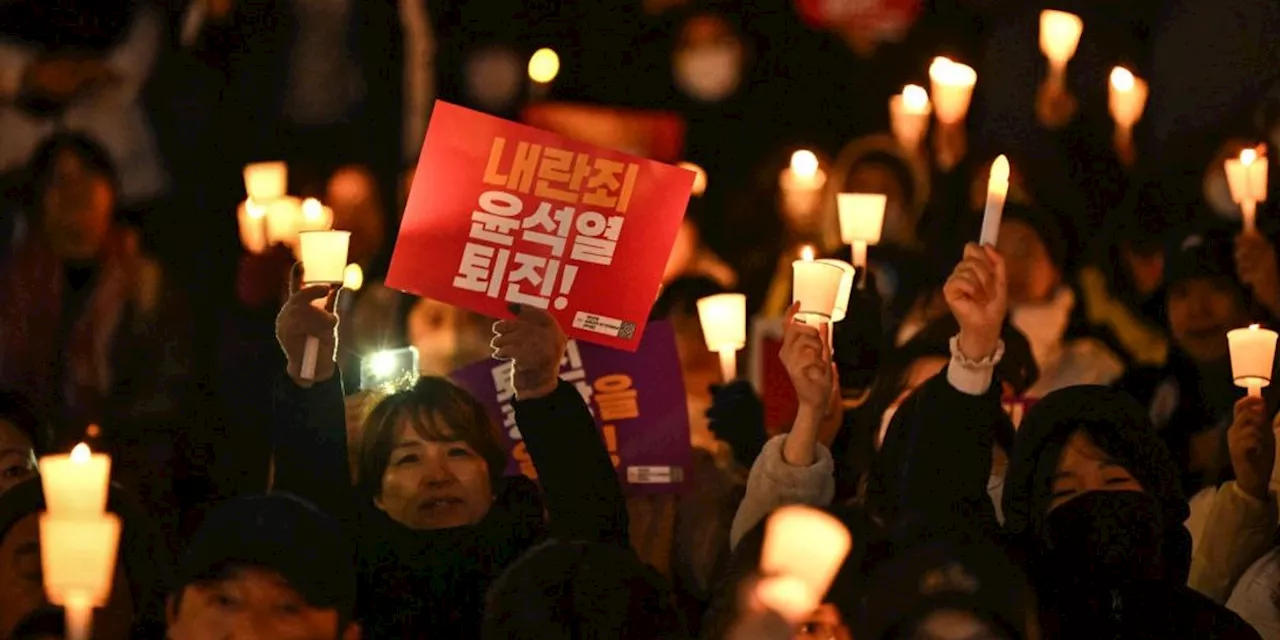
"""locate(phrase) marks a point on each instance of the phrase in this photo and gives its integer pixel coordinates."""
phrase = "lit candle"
(253, 226)
(78, 560)
(724, 327)
(324, 261)
(861, 222)
(266, 181)
(952, 88)
(75, 484)
(997, 189)
(544, 66)
(352, 277)
(1126, 99)
(1253, 353)
(699, 177)
(909, 116)
(841, 310)
(815, 285)
(1059, 36)
(1247, 179)
(284, 215)
(787, 596)
(806, 544)
(802, 183)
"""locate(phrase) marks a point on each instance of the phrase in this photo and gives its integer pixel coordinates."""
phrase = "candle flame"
(544, 65)
(352, 277)
(1248, 156)
(1000, 169)
(312, 209)
(1122, 79)
(914, 97)
(81, 454)
(806, 253)
(804, 163)
(948, 72)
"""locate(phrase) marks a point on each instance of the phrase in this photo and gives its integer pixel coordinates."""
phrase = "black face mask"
(1106, 539)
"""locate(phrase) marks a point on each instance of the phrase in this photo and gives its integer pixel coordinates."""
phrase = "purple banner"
(637, 400)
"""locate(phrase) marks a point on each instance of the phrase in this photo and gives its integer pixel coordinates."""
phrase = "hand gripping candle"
(997, 189)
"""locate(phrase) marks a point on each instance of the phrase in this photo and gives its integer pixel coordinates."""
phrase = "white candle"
(952, 88)
(1247, 179)
(724, 328)
(78, 559)
(841, 310)
(1253, 352)
(861, 222)
(788, 596)
(815, 285)
(324, 261)
(909, 116)
(252, 218)
(997, 189)
(807, 544)
(802, 183)
(1127, 98)
(1059, 36)
(75, 484)
(266, 181)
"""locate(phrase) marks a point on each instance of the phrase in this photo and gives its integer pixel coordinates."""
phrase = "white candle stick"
(252, 218)
(1253, 352)
(324, 261)
(861, 224)
(724, 328)
(997, 190)
(909, 116)
(1247, 179)
(815, 285)
(1059, 37)
(75, 484)
(78, 560)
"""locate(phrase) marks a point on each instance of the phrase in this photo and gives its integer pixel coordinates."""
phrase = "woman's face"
(17, 456)
(1083, 467)
(823, 624)
(1032, 275)
(1201, 312)
(433, 484)
(78, 205)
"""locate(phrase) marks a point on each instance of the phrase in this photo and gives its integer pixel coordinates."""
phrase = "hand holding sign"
(978, 295)
(535, 343)
(301, 321)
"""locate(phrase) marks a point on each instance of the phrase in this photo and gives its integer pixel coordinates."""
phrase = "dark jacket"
(418, 584)
(948, 437)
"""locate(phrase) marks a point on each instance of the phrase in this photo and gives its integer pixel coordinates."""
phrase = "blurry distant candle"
(315, 216)
(1253, 353)
(324, 261)
(724, 327)
(952, 89)
(997, 190)
(544, 66)
(352, 277)
(266, 181)
(802, 183)
(1059, 36)
(909, 116)
(699, 177)
(861, 222)
(75, 484)
(1247, 179)
(78, 563)
(252, 218)
(815, 285)
(807, 545)
(1127, 99)
(788, 596)
(841, 309)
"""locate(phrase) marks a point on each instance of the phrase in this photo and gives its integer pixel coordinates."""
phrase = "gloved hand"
(736, 416)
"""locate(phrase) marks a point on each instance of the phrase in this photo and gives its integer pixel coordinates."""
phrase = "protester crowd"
(1037, 438)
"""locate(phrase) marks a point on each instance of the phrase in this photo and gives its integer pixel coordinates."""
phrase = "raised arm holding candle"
(1059, 37)
(324, 261)
(1127, 99)
(997, 190)
(724, 327)
(909, 116)
(1253, 352)
(815, 286)
(1247, 179)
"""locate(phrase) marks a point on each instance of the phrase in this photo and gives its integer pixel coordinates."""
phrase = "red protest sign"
(503, 213)
(880, 17)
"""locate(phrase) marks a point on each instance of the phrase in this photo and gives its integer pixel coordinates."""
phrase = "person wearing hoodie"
(1092, 503)
(433, 520)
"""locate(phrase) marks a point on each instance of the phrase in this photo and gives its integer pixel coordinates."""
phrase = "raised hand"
(301, 318)
(806, 354)
(978, 294)
(535, 343)
(1252, 444)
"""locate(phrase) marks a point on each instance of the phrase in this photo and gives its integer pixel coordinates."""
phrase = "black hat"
(960, 574)
(278, 532)
(1046, 226)
(1200, 255)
